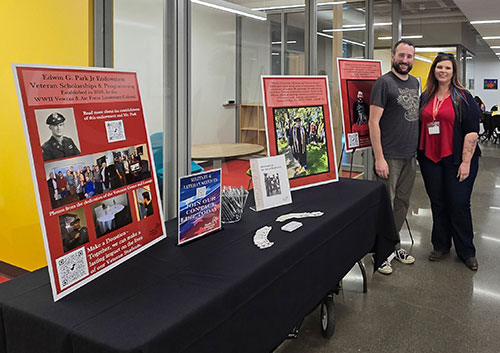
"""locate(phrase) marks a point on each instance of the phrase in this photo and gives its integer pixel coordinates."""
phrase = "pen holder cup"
(232, 208)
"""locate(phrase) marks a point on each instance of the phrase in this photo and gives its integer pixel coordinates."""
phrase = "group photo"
(301, 137)
(74, 179)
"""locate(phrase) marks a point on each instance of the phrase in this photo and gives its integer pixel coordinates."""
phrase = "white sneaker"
(385, 268)
(402, 256)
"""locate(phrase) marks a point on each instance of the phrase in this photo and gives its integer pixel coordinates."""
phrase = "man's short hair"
(402, 41)
(145, 195)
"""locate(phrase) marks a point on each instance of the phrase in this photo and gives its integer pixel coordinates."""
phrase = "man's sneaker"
(385, 268)
(403, 256)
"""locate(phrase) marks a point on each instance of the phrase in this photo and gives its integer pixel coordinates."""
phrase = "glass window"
(138, 30)
(226, 103)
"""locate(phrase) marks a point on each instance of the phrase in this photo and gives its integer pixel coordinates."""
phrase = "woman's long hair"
(456, 88)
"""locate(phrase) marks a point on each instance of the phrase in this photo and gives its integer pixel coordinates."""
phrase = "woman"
(480, 104)
(448, 157)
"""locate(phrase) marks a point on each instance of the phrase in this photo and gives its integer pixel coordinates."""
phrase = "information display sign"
(199, 205)
(92, 169)
(298, 125)
(271, 186)
(356, 78)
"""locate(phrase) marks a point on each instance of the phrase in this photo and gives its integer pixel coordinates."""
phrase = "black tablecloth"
(217, 294)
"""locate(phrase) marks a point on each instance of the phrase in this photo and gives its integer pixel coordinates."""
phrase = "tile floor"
(428, 306)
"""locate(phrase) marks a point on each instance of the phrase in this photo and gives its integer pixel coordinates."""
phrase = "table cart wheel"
(327, 316)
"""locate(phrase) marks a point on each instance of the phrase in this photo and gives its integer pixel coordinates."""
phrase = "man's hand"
(382, 168)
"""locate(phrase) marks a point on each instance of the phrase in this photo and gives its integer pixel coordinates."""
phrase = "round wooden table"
(216, 152)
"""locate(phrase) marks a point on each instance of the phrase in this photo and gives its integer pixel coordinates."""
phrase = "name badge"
(433, 128)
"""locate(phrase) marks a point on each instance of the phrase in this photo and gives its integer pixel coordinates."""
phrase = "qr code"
(353, 139)
(201, 192)
(115, 130)
(72, 267)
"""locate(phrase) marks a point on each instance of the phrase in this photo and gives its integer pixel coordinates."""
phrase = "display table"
(217, 294)
(216, 152)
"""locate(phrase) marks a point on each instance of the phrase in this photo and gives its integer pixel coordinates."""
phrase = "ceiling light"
(233, 8)
(298, 6)
(287, 42)
(484, 22)
(352, 26)
(417, 36)
(331, 3)
(353, 42)
(435, 49)
(275, 54)
(383, 24)
(344, 29)
(324, 35)
(278, 7)
(491, 37)
(423, 58)
(497, 53)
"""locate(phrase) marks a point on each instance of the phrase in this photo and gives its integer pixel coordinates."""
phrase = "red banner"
(298, 125)
(356, 78)
(92, 169)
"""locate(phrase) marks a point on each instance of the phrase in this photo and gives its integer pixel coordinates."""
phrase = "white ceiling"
(476, 10)
(416, 13)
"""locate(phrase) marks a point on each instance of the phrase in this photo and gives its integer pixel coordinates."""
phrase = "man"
(299, 144)
(52, 184)
(360, 110)
(105, 177)
(148, 205)
(58, 146)
(78, 236)
(62, 185)
(394, 125)
(120, 171)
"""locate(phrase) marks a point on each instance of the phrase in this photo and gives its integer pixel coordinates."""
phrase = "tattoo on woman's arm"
(469, 147)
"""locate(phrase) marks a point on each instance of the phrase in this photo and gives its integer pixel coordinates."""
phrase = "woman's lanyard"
(434, 127)
(436, 105)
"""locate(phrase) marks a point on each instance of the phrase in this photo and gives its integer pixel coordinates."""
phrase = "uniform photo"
(58, 133)
(74, 231)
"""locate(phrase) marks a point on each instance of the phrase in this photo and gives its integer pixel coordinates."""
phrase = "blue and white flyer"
(199, 205)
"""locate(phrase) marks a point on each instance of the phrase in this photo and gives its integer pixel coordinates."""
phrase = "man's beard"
(398, 69)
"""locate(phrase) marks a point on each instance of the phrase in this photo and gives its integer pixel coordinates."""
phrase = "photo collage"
(101, 180)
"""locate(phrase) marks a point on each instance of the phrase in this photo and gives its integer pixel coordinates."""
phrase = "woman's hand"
(463, 171)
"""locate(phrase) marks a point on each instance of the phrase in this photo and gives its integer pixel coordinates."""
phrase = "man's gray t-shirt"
(399, 123)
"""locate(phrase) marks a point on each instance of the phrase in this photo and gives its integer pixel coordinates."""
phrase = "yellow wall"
(55, 32)
(421, 68)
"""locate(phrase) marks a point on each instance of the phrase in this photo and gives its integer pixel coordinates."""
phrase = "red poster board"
(356, 78)
(299, 125)
(92, 169)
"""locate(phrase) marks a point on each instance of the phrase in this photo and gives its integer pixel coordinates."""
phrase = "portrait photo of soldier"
(58, 135)
(74, 231)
